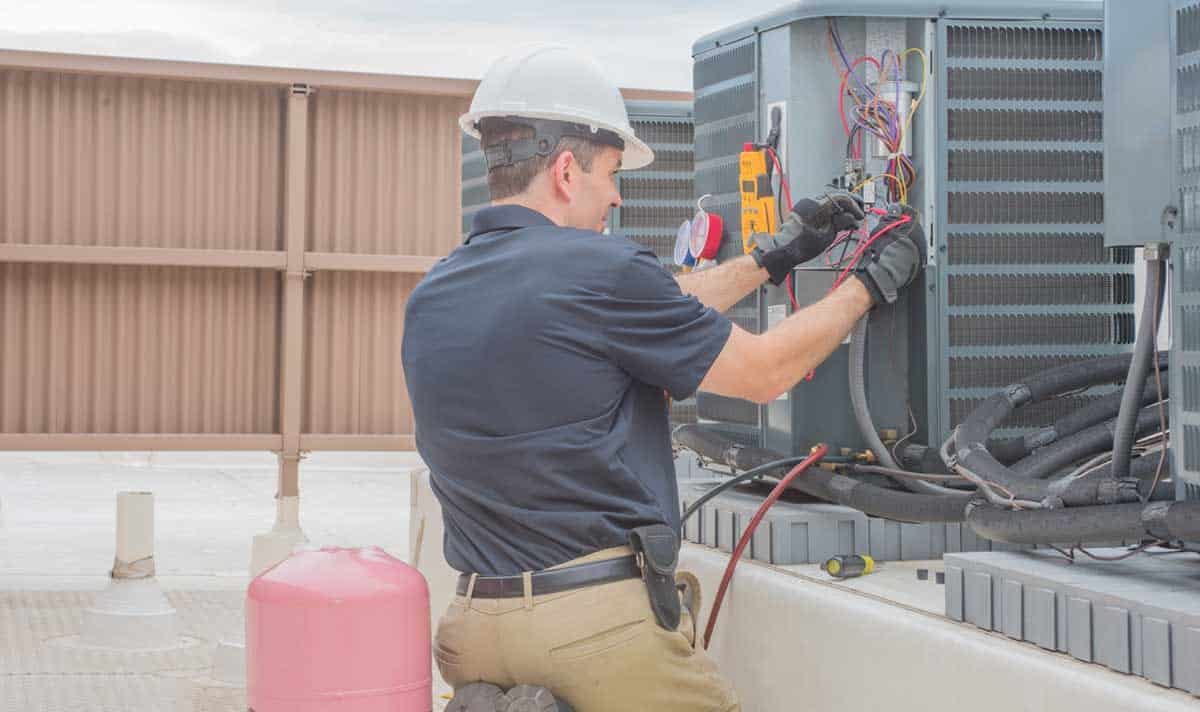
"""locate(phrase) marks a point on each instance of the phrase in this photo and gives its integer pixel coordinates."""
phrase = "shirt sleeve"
(658, 334)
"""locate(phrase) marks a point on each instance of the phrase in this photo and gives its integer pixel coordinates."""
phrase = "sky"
(641, 44)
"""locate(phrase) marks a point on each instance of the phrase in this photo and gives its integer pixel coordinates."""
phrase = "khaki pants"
(598, 648)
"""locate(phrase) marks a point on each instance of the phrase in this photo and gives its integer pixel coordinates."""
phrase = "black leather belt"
(552, 580)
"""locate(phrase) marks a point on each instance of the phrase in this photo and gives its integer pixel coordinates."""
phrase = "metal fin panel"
(1021, 186)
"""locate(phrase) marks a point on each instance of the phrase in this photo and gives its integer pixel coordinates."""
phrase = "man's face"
(596, 192)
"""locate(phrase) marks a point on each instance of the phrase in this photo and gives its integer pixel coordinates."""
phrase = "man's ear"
(564, 171)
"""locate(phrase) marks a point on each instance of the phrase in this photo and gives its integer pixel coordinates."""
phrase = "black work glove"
(810, 228)
(894, 260)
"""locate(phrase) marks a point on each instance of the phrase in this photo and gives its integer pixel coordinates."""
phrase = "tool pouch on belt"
(657, 548)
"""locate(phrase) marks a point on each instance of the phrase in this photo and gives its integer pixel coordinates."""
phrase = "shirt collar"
(506, 217)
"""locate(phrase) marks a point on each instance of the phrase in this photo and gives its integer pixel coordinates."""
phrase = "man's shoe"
(531, 698)
(476, 697)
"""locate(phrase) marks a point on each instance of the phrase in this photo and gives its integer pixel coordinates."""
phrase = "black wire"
(735, 481)
(1069, 555)
(1139, 549)
(779, 202)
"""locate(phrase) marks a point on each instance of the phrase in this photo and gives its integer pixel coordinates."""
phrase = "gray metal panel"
(977, 599)
(972, 9)
(789, 533)
(954, 593)
(795, 73)
(1185, 660)
(1137, 616)
(1138, 162)
(1112, 638)
(1020, 115)
(1185, 257)
(1156, 651)
(1041, 618)
(1013, 593)
(725, 85)
(1079, 628)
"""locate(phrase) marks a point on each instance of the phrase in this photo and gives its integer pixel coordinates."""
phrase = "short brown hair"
(507, 181)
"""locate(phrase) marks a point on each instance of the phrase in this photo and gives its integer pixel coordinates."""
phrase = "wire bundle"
(875, 112)
(849, 266)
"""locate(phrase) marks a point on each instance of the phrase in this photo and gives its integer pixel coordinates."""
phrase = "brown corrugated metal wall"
(147, 258)
(215, 257)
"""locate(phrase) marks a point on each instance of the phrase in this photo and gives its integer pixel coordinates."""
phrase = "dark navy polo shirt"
(536, 358)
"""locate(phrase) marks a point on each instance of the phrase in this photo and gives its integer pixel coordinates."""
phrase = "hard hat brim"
(636, 154)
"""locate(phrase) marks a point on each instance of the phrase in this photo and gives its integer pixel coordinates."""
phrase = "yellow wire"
(920, 96)
(903, 189)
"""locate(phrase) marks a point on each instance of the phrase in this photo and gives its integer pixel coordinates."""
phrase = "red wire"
(842, 105)
(787, 192)
(863, 248)
(817, 453)
(783, 182)
(791, 294)
(842, 92)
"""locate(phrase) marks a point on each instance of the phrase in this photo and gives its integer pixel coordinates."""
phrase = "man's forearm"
(723, 286)
(805, 339)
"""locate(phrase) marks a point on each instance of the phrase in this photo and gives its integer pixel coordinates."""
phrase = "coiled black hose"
(1143, 349)
(968, 453)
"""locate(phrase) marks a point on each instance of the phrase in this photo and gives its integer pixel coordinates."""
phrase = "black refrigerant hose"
(968, 446)
(1046, 461)
(1143, 350)
(1011, 450)
(1165, 521)
(1074, 525)
(839, 489)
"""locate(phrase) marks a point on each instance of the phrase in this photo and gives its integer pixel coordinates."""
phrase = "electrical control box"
(1001, 110)
(1138, 165)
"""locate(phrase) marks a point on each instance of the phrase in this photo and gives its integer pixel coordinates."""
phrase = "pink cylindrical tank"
(338, 630)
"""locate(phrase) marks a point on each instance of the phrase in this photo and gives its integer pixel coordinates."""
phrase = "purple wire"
(896, 112)
(892, 115)
(837, 40)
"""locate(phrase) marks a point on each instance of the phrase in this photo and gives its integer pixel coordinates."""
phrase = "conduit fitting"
(1018, 395)
(1156, 251)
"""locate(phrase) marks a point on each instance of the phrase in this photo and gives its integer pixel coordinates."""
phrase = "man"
(537, 356)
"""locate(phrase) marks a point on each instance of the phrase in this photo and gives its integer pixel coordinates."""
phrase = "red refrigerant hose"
(815, 456)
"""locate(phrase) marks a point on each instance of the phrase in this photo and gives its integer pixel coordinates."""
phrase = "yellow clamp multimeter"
(758, 200)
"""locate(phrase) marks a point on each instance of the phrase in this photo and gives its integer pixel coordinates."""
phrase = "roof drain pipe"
(862, 413)
(1144, 348)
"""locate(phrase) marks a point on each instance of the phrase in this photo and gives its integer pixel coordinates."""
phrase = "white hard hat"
(553, 83)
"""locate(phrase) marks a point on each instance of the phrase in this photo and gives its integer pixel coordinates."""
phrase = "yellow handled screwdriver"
(848, 566)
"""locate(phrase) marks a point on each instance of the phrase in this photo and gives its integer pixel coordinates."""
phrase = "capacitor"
(848, 566)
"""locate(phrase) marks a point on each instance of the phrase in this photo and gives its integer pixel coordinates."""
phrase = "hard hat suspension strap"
(546, 135)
